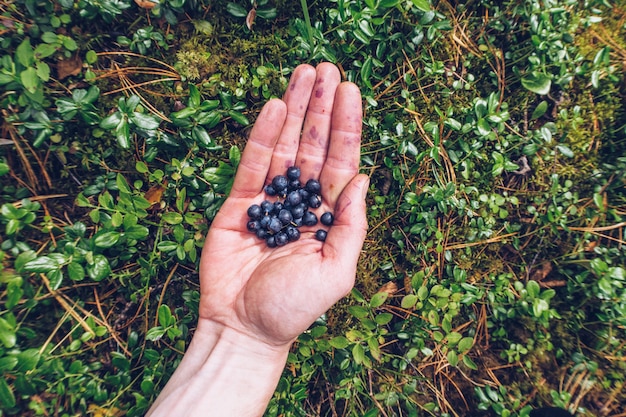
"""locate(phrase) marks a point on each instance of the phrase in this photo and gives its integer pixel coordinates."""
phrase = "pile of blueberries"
(278, 223)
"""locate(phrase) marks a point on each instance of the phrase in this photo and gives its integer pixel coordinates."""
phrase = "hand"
(275, 294)
(255, 300)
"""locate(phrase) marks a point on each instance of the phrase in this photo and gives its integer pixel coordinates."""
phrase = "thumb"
(347, 234)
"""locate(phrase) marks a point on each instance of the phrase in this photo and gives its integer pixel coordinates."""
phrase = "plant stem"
(307, 20)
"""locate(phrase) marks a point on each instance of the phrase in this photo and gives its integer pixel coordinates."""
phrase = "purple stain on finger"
(319, 92)
(292, 86)
(313, 132)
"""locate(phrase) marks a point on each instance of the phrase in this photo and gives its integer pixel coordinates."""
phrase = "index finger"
(344, 150)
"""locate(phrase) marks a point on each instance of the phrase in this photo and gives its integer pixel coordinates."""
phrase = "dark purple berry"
(281, 239)
(293, 233)
(285, 217)
(327, 218)
(265, 221)
(266, 206)
(275, 225)
(294, 198)
(270, 190)
(297, 222)
(262, 233)
(280, 182)
(321, 235)
(253, 225)
(305, 194)
(309, 219)
(315, 201)
(294, 185)
(271, 242)
(255, 212)
(313, 186)
(293, 173)
(297, 212)
(278, 206)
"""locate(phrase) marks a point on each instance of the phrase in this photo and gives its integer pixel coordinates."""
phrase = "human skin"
(255, 301)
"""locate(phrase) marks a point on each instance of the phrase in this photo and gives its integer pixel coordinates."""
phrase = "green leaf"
(45, 50)
(366, 72)
(239, 117)
(99, 269)
(358, 353)
(565, 150)
(41, 264)
(24, 53)
(43, 71)
(236, 10)
(30, 79)
(465, 344)
(28, 360)
(111, 121)
(155, 333)
(537, 82)
(75, 271)
(172, 217)
(136, 232)
(165, 317)
(378, 299)
(409, 301)
(144, 121)
(339, 342)
(453, 358)
(540, 110)
(423, 5)
(7, 334)
(470, 363)
(383, 318)
(106, 239)
(49, 37)
(122, 133)
(91, 57)
(201, 136)
(7, 398)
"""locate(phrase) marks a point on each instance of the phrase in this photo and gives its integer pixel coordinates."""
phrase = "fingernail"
(365, 189)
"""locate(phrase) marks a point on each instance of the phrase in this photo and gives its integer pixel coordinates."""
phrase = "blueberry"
(285, 217)
(255, 212)
(262, 233)
(265, 221)
(253, 225)
(304, 194)
(281, 239)
(321, 235)
(327, 218)
(294, 198)
(298, 211)
(278, 206)
(298, 221)
(280, 182)
(293, 173)
(275, 225)
(266, 206)
(315, 201)
(294, 185)
(270, 190)
(309, 219)
(293, 233)
(313, 186)
(271, 242)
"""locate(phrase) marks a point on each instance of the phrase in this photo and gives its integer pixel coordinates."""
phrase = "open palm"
(275, 294)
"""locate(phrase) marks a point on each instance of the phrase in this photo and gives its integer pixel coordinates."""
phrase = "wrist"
(224, 372)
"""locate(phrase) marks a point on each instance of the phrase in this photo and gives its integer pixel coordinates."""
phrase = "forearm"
(223, 373)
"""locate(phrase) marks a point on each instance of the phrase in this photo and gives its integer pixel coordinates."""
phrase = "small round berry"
(262, 233)
(315, 201)
(327, 218)
(280, 182)
(285, 217)
(275, 225)
(297, 212)
(255, 212)
(281, 239)
(297, 222)
(253, 225)
(293, 233)
(313, 186)
(270, 190)
(309, 219)
(321, 235)
(304, 193)
(271, 242)
(278, 206)
(265, 221)
(266, 206)
(294, 198)
(294, 185)
(293, 173)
